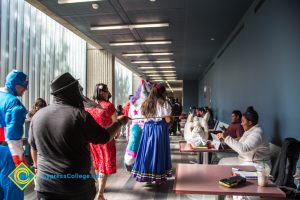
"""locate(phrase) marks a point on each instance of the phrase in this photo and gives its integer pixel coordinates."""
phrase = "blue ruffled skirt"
(153, 162)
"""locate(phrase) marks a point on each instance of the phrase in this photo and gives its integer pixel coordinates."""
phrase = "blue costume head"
(14, 78)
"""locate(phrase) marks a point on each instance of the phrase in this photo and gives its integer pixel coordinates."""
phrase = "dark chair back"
(285, 167)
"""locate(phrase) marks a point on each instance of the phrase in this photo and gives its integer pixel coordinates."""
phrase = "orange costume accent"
(18, 161)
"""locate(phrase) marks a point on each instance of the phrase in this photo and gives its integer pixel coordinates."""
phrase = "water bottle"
(263, 172)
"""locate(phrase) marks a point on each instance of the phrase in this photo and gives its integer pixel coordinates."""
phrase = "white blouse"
(251, 147)
(161, 112)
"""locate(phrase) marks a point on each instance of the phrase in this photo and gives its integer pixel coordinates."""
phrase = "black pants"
(174, 126)
(89, 195)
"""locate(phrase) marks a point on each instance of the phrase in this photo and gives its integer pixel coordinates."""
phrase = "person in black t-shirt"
(59, 136)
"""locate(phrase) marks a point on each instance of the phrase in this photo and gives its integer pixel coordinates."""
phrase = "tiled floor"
(121, 186)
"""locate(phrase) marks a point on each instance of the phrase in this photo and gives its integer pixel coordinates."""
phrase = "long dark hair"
(39, 103)
(100, 87)
(251, 115)
(157, 95)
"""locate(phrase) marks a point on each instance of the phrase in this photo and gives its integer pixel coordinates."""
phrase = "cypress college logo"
(21, 176)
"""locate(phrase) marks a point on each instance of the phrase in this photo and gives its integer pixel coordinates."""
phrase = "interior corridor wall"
(261, 67)
(40, 47)
(100, 69)
(190, 94)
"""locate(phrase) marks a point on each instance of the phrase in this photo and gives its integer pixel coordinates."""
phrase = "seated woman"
(252, 146)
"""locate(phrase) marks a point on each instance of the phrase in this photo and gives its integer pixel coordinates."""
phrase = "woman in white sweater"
(252, 146)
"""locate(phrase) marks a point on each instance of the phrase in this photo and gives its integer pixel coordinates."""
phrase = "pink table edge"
(279, 194)
(182, 144)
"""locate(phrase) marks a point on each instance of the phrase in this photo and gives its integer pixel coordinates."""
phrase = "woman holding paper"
(252, 146)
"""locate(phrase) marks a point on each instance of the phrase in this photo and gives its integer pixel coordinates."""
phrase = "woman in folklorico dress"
(153, 161)
(104, 155)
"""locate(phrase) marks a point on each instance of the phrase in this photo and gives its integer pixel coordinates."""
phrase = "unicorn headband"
(145, 87)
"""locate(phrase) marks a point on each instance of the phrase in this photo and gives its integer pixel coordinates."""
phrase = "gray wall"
(261, 67)
(190, 94)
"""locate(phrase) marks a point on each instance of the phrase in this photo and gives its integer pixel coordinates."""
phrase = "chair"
(285, 167)
(274, 156)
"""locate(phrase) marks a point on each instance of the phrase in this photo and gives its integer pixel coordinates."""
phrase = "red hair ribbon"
(143, 81)
(158, 86)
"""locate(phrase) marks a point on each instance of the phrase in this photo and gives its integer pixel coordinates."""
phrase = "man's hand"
(123, 119)
(114, 128)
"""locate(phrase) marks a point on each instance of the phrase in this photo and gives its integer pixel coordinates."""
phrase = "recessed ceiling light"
(163, 80)
(161, 75)
(156, 77)
(160, 67)
(175, 89)
(139, 43)
(151, 72)
(212, 39)
(95, 6)
(151, 61)
(152, 0)
(75, 1)
(129, 26)
(148, 54)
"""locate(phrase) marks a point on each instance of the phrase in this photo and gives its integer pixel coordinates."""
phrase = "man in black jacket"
(59, 136)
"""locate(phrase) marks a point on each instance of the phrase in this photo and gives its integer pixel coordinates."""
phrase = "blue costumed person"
(13, 113)
(8, 190)
(137, 125)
